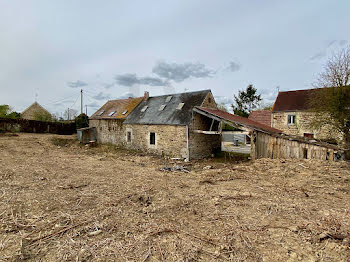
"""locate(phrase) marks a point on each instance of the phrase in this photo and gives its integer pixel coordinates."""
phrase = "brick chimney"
(146, 96)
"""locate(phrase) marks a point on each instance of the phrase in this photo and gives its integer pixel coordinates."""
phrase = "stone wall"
(203, 145)
(209, 101)
(109, 131)
(170, 140)
(303, 125)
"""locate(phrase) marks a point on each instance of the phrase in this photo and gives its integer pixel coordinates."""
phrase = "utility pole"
(81, 101)
(86, 109)
(68, 114)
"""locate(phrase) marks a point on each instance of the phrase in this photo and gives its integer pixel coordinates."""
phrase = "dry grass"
(63, 202)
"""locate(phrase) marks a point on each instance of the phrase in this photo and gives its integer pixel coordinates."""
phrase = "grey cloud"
(319, 55)
(234, 67)
(127, 79)
(76, 84)
(132, 79)
(152, 81)
(181, 72)
(101, 96)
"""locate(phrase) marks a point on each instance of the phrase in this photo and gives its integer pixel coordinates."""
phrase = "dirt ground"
(63, 202)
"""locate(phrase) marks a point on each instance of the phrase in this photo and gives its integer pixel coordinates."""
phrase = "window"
(152, 138)
(111, 113)
(180, 106)
(128, 136)
(100, 113)
(124, 112)
(144, 108)
(161, 108)
(291, 119)
(167, 100)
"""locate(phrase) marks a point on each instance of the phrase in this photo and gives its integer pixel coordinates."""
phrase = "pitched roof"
(261, 116)
(297, 100)
(118, 106)
(239, 120)
(35, 106)
(169, 115)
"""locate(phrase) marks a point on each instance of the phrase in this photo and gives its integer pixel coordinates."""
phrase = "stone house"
(162, 125)
(34, 110)
(291, 114)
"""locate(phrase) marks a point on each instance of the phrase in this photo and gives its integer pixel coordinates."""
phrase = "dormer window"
(100, 113)
(124, 112)
(167, 100)
(111, 113)
(144, 108)
(161, 108)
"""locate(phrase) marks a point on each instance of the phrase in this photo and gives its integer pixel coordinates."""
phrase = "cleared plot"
(63, 202)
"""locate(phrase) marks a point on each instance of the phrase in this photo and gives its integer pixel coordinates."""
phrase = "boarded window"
(291, 119)
(128, 136)
(152, 138)
(167, 100)
(161, 108)
(180, 106)
(144, 108)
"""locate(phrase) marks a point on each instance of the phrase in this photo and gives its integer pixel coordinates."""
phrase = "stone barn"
(162, 125)
(33, 111)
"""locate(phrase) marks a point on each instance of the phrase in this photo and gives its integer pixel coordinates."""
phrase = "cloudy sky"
(111, 49)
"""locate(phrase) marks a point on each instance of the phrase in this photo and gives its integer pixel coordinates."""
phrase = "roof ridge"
(199, 91)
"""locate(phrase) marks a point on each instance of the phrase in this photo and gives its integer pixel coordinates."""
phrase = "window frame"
(152, 135)
(290, 117)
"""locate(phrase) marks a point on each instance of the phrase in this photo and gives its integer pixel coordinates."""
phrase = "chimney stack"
(146, 96)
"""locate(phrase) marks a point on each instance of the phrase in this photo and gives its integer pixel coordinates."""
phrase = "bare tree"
(332, 103)
(70, 114)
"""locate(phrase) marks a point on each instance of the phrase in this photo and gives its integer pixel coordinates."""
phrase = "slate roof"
(170, 115)
(297, 100)
(239, 120)
(261, 116)
(119, 106)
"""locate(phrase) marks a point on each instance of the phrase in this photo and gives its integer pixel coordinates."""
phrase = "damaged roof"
(261, 116)
(239, 120)
(173, 109)
(117, 109)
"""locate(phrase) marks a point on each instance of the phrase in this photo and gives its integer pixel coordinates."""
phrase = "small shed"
(86, 135)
